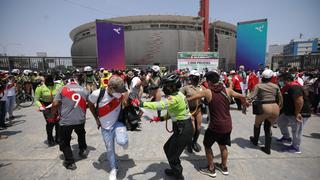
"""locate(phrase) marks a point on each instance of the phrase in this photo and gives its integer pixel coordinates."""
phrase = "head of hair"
(286, 76)
(212, 77)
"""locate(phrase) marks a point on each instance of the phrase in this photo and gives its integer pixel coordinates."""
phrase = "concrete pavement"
(25, 154)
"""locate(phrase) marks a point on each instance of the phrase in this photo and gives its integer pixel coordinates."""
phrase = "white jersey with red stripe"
(109, 108)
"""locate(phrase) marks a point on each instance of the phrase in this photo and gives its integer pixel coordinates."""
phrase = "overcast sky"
(30, 26)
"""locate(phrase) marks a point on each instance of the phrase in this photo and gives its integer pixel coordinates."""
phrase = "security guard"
(177, 107)
(44, 96)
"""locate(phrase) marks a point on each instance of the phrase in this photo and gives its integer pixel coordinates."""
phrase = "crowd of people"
(117, 98)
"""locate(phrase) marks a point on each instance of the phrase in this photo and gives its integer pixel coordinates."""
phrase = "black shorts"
(211, 137)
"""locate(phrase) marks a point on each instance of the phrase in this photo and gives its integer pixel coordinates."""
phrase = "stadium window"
(128, 28)
(154, 25)
(172, 26)
(181, 27)
(164, 25)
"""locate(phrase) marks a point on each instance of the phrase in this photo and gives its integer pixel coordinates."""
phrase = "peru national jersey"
(109, 108)
(73, 99)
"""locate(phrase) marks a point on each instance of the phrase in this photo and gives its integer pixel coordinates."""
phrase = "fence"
(305, 62)
(44, 64)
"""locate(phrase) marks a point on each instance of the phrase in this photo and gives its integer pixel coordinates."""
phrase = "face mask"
(281, 83)
(116, 95)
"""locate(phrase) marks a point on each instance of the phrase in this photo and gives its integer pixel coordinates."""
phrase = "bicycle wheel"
(24, 100)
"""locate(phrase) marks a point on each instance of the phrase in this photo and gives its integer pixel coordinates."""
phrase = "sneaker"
(196, 147)
(83, 153)
(71, 166)
(51, 143)
(223, 170)
(208, 172)
(292, 149)
(113, 174)
(169, 172)
(283, 139)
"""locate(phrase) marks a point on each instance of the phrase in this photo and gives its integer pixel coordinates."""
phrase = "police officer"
(177, 107)
(195, 108)
(90, 80)
(44, 95)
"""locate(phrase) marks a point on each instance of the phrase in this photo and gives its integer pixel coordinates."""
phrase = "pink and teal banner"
(110, 45)
(251, 43)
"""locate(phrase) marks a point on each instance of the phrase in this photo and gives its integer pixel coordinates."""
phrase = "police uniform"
(178, 110)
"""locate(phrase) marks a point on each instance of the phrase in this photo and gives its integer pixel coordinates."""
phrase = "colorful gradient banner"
(251, 43)
(110, 46)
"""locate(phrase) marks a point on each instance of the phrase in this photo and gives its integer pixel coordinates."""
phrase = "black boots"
(256, 133)
(268, 134)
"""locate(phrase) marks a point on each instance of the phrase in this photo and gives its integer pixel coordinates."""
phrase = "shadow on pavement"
(157, 168)
(313, 135)
(243, 143)
(4, 164)
(124, 164)
(9, 133)
(16, 122)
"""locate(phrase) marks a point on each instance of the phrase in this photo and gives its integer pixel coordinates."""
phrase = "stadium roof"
(141, 19)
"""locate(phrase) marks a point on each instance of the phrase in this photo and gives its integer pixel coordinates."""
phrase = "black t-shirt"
(288, 101)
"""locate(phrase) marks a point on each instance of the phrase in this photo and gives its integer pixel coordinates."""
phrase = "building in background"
(150, 39)
(299, 47)
(275, 49)
(41, 54)
(222, 39)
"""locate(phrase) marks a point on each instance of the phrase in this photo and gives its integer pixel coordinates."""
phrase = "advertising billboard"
(198, 60)
(251, 43)
(110, 46)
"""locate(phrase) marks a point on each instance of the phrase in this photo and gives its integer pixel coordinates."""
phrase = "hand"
(155, 119)
(299, 117)
(135, 102)
(41, 108)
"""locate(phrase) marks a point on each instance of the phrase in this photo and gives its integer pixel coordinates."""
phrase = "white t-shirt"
(134, 82)
(109, 108)
(11, 90)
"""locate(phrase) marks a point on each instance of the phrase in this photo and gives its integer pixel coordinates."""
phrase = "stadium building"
(150, 39)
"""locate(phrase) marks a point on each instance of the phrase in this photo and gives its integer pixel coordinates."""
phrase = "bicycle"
(23, 99)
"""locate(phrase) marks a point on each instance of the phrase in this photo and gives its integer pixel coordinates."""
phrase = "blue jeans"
(11, 101)
(118, 132)
(285, 121)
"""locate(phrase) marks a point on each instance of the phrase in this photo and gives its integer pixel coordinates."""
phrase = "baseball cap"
(117, 84)
(268, 73)
(232, 72)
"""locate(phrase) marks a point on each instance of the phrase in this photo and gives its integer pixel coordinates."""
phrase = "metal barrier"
(305, 62)
(45, 64)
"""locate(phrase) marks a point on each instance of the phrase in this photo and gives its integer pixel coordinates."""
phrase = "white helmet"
(87, 69)
(155, 68)
(268, 73)
(26, 72)
(15, 71)
(194, 73)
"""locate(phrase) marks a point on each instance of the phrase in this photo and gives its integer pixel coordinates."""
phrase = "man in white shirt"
(106, 115)
(11, 96)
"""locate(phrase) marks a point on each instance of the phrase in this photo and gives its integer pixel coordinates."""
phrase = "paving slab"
(25, 154)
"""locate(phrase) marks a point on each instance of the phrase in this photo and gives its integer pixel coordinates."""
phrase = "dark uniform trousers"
(173, 148)
(65, 138)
